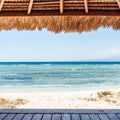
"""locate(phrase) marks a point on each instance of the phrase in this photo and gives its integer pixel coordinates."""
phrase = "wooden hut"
(59, 15)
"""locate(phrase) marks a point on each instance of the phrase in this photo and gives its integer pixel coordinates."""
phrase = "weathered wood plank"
(118, 115)
(56, 117)
(18, 117)
(2, 116)
(94, 117)
(84, 117)
(27, 117)
(65, 116)
(47, 117)
(32, 111)
(9, 117)
(113, 117)
(103, 117)
(60, 115)
(37, 117)
(75, 116)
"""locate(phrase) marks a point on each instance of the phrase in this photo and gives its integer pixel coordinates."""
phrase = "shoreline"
(64, 99)
(20, 90)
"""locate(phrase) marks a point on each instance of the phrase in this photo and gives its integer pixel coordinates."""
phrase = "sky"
(100, 45)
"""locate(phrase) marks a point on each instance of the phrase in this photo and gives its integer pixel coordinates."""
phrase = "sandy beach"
(61, 99)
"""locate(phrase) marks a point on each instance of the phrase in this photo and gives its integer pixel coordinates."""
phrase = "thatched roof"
(59, 15)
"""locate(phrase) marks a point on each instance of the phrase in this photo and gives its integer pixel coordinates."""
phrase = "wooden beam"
(1, 4)
(30, 6)
(57, 111)
(61, 6)
(86, 6)
(118, 2)
(57, 13)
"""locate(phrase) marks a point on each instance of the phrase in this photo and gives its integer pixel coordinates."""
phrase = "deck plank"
(85, 117)
(75, 117)
(18, 117)
(65, 116)
(118, 116)
(47, 117)
(94, 117)
(113, 117)
(2, 116)
(103, 117)
(37, 117)
(27, 117)
(56, 117)
(53, 111)
(9, 117)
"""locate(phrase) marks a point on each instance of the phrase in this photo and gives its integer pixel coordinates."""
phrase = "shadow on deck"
(59, 114)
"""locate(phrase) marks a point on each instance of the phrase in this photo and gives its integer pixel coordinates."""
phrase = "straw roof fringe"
(59, 23)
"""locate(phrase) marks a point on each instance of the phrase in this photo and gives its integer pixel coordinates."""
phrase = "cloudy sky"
(100, 45)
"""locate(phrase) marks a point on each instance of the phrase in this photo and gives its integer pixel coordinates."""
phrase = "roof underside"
(49, 7)
(59, 15)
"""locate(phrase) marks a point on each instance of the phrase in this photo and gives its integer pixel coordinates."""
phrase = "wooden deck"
(50, 114)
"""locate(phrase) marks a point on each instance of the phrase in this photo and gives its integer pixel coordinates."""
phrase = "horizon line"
(50, 61)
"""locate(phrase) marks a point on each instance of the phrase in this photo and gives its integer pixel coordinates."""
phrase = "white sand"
(61, 99)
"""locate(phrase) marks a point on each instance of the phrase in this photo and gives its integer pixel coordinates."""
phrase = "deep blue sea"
(38, 76)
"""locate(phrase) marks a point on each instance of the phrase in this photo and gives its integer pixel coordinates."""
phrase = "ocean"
(63, 76)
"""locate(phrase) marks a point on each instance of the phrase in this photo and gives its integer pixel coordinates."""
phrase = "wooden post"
(1, 4)
(30, 6)
(61, 6)
(118, 2)
(86, 6)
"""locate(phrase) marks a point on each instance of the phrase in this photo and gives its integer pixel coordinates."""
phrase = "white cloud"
(110, 53)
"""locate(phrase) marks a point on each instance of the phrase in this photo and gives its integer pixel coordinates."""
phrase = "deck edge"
(32, 111)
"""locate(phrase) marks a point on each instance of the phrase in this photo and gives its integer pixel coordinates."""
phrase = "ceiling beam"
(1, 4)
(57, 13)
(30, 7)
(86, 6)
(118, 2)
(61, 6)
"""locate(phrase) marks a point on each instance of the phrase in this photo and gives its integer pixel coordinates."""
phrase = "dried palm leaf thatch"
(59, 23)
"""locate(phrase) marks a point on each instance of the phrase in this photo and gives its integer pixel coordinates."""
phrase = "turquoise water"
(59, 76)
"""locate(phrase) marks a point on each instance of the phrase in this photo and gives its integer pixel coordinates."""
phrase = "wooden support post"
(61, 6)
(86, 6)
(118, 2)
(30, 6)
(1, 4)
